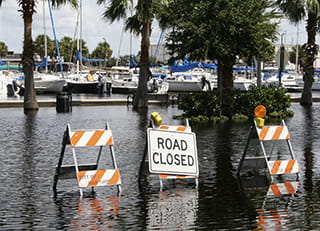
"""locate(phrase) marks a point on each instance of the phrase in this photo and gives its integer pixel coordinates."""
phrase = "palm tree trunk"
(227, 85)
(141, 97)
(30, 101)
(311, 51)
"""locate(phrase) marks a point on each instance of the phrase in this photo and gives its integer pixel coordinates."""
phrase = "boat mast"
(297, 50)
(55, 38)
(78, 37)
(45, 35)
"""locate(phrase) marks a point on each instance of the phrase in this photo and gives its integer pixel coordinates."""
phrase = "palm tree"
(27, 9)
(139, 23)
(297, 11)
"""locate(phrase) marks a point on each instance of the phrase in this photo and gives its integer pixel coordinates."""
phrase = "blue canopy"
(79, 57)
(43, 64)
(3, 63)
(133, 64)
(183, 68)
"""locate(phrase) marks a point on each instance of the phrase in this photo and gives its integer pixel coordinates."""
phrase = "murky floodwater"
(30, 147)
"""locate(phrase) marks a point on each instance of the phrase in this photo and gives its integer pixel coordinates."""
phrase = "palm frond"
(294, 9)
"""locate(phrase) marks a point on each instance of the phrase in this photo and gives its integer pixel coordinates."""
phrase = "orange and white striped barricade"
(275, 217)
(88, 175)
(270, 134)
(172, 151)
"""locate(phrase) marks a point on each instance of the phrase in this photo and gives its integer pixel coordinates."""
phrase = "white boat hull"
(49, 85)
(183, 86)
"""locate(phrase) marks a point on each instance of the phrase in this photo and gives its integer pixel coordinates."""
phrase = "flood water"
(31, 145)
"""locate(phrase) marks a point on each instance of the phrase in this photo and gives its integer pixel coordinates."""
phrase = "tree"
(102, 51)
(297, 11)
(301, 55)
(3, 49)
(39, 46)
(27, 9)
(143, 13)
(221, 30)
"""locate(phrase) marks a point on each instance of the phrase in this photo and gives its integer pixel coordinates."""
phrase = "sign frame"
(188, 155)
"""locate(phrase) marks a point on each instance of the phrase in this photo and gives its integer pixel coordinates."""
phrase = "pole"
(281, 66)
(45, 35)
(297, 50)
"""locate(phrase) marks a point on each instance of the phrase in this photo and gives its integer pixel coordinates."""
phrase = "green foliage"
(102, 51)
(204, 105)
(302, 56)
(274, 98)
(3, 49)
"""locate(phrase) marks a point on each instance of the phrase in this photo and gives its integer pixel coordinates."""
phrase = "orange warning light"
(260, 111)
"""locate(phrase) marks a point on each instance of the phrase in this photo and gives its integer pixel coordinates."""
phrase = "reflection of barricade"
(95, 214)
(173, 151)
(273, 212)
(88, 175)
(269, 134)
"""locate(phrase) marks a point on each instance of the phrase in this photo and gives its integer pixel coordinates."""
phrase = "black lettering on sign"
(173, 159)
(176, 159)
(169, 159)
(172, 144)
(183, 160)
(160, 142)
(154, 158)
(190, 161)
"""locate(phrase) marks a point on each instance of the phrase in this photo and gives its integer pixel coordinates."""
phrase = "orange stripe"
(95, 138)
(180, 176)
(76, 137)
(263, 133)
(290, 166)
(80, 175)
(115, 178)
(181, 129)
(110, 141)
(164, 127)
(288, 136)
(277, 133)
(289, 187)
(163, 176)
(274, 188)
(275, 167)
(96, 178)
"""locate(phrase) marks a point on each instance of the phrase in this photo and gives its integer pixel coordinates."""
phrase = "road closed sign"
(172, 152)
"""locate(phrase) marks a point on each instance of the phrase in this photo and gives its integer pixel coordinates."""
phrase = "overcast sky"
(95, 29)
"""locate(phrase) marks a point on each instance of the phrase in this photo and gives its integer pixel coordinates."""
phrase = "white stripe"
(106, 177)
(284, 133)
(104, 138)
(85, 138)
(283, 189)
(86, 178)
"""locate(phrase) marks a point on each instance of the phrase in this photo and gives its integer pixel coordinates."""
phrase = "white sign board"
(172, 152)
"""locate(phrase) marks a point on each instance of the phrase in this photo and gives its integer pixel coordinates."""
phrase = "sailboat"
(84, 81)
(47, 82)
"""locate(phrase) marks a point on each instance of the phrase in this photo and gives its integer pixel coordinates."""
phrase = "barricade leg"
(56, 175)
(245, 150)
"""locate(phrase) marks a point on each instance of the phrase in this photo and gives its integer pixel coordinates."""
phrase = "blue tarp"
(3, 63)
(79, 57)
(183, 68)
(133, 64)
(43, 64)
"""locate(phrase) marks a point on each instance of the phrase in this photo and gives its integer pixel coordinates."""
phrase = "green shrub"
(205, 105)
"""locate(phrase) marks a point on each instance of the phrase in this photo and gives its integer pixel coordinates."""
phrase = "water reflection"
(88, 213)
(274, 210)
(174, 209)
(308, 154)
